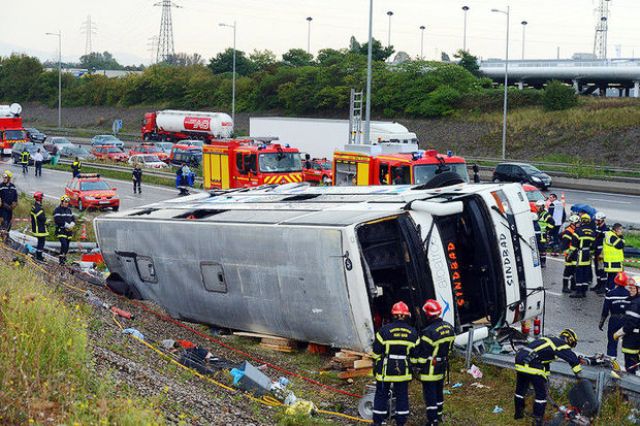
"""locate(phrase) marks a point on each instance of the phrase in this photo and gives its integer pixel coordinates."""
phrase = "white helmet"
(539, 203)
(574, 218)
(600, 216)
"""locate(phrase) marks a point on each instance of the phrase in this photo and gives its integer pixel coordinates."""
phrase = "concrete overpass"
(586, 76)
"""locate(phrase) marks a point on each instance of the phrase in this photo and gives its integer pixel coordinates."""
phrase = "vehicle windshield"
(423, 173)
(61, 141)
(97, 185)
(149, 158)
(75, 150)
(14, 135)
(106, 138)
(113, 149)
(193, 143)
(280, 162)
(149, 149)
(535, 196)
(530, 169)
(325, 165)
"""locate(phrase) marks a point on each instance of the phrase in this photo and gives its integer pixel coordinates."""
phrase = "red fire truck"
(172, 125)
(240, 163)
(392, 164)
(11, 130)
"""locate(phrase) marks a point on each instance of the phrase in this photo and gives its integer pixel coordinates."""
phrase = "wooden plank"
(354, 353)
(362, 363)
(279, 348)
(258, 335)
(362, 372)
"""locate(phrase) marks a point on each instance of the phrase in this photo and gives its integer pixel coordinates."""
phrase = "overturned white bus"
(325, 264)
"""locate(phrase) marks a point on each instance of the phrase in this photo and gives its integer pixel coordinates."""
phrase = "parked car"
(107, 140)
(148, 160)
(192, 155)
(76, 151)
(533, 194)
(150, 149)
(109, 152)
(319, 171)
(56, 143)
(164, 146)
(32, 147)
(90, 191)
(523, 173)
(35, 135)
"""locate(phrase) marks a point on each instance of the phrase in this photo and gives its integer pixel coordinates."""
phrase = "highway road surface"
(52, 183)
(618, 208)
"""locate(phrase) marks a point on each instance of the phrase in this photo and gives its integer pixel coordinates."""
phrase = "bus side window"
(401, 175)
(250, 163)
(384, 174)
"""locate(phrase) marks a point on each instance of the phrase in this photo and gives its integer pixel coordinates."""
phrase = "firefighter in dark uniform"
(598, 259)
(64, 220)
(533, 368)
(569, 273)
(24, 161)
(546, 223)
(8, 201)
(38, 224)
(136, 177)
(583, 243)
(394, 349)
(436, 340)
(615, 305)
(630, 331)
(75, 167)
(613, 253)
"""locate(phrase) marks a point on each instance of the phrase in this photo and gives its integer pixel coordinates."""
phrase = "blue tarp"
(583, 208)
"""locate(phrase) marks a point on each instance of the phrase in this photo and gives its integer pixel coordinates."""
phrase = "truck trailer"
(321, 137)
(173, 125)
(325, 264)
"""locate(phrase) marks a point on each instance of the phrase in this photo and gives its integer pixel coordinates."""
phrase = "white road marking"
(609, 201)
(553, 293)
(593, 192)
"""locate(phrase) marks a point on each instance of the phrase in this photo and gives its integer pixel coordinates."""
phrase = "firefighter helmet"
(7, 174)
(621, 279)
(540, 203)
(633, 281)
(400, 308)
(65, 198)
(432, 308)
(600, 216)
(38, 196)
(585, 218)
(570, 336)
(574, 218)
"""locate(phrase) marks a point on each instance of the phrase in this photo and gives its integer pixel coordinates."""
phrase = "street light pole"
(233, 77)
(59, 35)
(389, 14)
(524, 28)
(464, 37)
(422, 28)
(506, 84)
(309, 19)
(367, 110)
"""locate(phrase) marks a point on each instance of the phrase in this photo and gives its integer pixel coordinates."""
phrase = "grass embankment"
(45, 373)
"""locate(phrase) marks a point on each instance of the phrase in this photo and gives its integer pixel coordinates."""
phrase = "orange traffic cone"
(83, 233)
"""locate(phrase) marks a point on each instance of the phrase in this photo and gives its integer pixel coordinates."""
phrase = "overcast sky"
(125, 27)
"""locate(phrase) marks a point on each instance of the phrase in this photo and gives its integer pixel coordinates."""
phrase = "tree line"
(297, 84)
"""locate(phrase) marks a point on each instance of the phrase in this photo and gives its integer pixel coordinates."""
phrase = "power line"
(166, 48)
(88, 29)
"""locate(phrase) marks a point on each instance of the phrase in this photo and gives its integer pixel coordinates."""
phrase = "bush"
(558, 96)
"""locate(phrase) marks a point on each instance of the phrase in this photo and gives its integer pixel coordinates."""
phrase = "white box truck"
(320, 137)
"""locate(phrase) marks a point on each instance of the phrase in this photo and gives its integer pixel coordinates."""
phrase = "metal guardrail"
(553, 164)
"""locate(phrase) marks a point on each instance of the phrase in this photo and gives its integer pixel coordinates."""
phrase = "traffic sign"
(117, 126)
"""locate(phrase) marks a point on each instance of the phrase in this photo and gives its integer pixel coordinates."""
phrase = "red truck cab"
(11, 132)
(317, 171)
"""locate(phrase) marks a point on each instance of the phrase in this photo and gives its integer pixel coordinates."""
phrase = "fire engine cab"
(11, 130)
(392, 164)
(242, 163)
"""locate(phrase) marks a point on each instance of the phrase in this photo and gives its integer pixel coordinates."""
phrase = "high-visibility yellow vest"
(612, 257)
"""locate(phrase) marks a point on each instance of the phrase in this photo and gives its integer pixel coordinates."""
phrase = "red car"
(320, 171)
(89, 191)
(109, 152)
(147, 148)
(533, 195)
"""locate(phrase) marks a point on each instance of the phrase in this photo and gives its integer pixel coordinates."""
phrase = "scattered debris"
(249, 378)
(456, 385)
(353, 364)
(301, 407)
(133, 332)
(479, 385)
(275, 343)
(497, 409)
(475, 372)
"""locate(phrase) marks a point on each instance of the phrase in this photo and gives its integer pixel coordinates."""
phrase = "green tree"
(99, 61)
(378, 53)
(263, 59)
(297, 58)
(468, 62)
(558, 96)
(223, 62)
(185, 59)
(18, 77)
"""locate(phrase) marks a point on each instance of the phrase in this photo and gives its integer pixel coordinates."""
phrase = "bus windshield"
(423, 173)
(280, 162)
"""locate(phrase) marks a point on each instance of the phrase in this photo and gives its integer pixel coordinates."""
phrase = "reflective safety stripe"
(531, 370)
(540, 401)
(432, 407)
(630, 351)
(392, 356)
(632, 314)
(519, 396)
(576, 368)
(378, 412)
(431, 377)
(403, 378)
(402, 413)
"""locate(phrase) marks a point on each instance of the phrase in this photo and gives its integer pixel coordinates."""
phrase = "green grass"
(45, 360)
(632, 239)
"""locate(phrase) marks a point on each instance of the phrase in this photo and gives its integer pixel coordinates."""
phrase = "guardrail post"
(467, 360)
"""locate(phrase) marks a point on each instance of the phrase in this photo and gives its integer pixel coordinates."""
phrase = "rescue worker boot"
(519, 414)
(39, 256)
(565, 287)
(538, 421)
(62, 260)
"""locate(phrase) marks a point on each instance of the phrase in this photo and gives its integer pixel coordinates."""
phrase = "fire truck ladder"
(355, 117)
